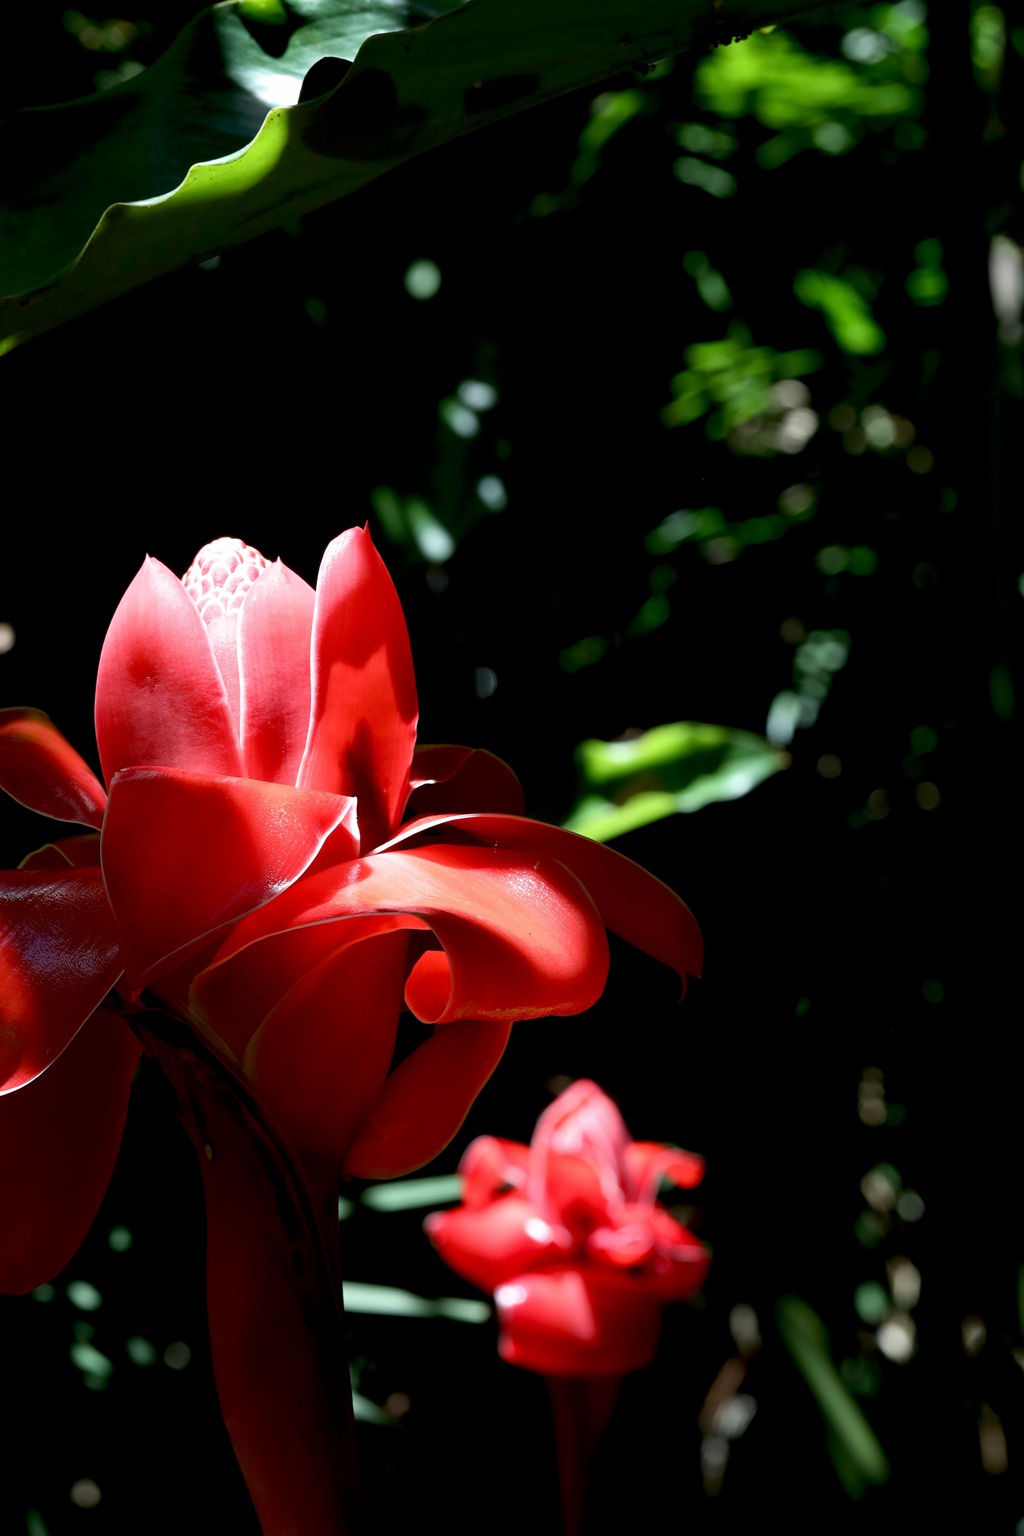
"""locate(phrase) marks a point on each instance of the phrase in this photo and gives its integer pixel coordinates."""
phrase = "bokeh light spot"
(422, 279)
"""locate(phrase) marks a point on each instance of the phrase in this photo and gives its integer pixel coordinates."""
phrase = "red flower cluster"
(568, 1235)
(273, 863)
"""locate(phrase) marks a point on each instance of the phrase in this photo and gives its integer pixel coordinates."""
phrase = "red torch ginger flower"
(274, 864)
(568, 1235)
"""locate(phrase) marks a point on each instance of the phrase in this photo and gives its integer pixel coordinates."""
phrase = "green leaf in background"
(818, 103)
(680, 767)
(413, 1194)
(846, 311)
(251, 119)
(732, 379)
(389, 1301)
(853, 1445)
(368, 1412)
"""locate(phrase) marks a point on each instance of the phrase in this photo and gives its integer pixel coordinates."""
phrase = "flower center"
(220, 576)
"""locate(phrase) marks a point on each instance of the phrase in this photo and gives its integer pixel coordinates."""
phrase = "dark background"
(849, 927)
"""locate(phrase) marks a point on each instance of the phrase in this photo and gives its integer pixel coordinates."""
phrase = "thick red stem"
(581, 1408)
(273, 1296)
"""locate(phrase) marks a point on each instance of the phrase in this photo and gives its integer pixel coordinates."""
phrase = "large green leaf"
(213, 145)
(680, 767)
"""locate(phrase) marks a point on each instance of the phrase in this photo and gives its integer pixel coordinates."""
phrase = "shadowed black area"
(492, 95)
(322, 77)
(367, 121)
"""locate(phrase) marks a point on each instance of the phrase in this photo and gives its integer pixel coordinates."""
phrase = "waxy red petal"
(66, 853)
(42, 770)
(239, 987)
(444, 779)
(362, 725)
(522, 940)
(186, 853)
(426, 1099)
(274, 629)
(633, 904)
(649, 1162)
(320, 1058)
(58, 960)
(489, 1165)
(577, 1322)
(496, 1242)
(160, 698)
(59, 1138)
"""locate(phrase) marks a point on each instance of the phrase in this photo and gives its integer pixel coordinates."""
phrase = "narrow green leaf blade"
(413, 1194)
(389, 1301)
(803, 1334)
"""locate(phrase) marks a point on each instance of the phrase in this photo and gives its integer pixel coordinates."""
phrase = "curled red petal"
(446, 779)
(59, 1138)
(274, 629)
(570, 1186)
(186, 853)
(680, 1265)
(633, 904)
(42, 770)
(160, 698)
(622, 1247)
(577, 1322)
(522, 939)
(58, 960)
(426, 1099)
(234, 993)
(649, 1162)
(362, 726)
(319, 1059)
(490, 1165)
(497, 1241)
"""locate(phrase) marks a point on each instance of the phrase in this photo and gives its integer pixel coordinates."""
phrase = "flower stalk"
(274, 1300)
(580, 1409)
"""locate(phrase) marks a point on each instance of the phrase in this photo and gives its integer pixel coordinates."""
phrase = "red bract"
(568, 1235)
(277, 867)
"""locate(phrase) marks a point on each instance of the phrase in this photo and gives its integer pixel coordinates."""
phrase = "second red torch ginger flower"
(568, 1235)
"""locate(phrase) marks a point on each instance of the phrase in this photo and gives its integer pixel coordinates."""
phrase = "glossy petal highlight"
(426, 1099)
(320, 1058)
(362, 726)
(58, 960)
(522, 940)
(450, 779)
(59, 1138)
(160, 698)
(577, 1323)
(42, 770)
(274, 633)
(632, 903)
(184, 854)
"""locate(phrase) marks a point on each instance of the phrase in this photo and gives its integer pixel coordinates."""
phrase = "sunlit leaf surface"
(680, 767)
(251, 118)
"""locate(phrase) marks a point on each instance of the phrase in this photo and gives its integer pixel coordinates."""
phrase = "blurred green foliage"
(672, 768)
